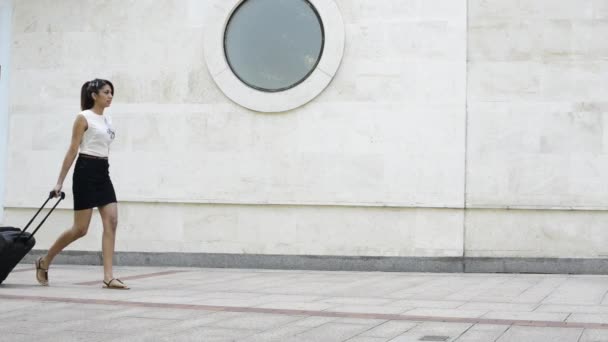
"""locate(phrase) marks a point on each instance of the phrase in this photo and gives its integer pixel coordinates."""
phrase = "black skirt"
(91, 184)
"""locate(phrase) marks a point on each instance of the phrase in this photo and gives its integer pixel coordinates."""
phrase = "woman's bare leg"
(109, 218)
(82, 219)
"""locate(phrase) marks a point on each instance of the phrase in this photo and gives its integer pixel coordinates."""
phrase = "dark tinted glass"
(273, 45)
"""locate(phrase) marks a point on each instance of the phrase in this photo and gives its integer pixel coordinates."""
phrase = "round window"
(273, 45)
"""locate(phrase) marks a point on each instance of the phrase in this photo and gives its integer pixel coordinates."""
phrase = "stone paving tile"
(356, 301)
(12, 315)
(84, 293)
(360, 321)
(579, 291)
(436, 295)
(117, 325)
(485, 306)
(380, 290)
(473, 291)
(407, 282)
(80, 336)
(314, 321)
(25, 327)
(527, 316)
(597, 318)
(13, 311)
(143, 289)
(231, 295)
(208, 334)
(433, 286)
(279, 334)
(311, 289)
(255, 321)
(197, 334)
(480, 281)
(506, 291)
(594, 335)
(445, 313)
(390, 329)
(495, 298)
(535, 334)
(330, 332)
(229, 302)
(483, 333)
(101, 307)
(366, 339)
(431, 304)
(589, 309)
(14, 337)
(141, 336)
(59, 336)
(541, 290)
(8, 306)
(176, 314)
(368, 309)
(161, 299)
(295, 306)
(291, 298)
(451, 330)
(49, 315)
(205, 320)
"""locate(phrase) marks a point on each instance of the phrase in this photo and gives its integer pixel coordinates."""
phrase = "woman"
(92, 133)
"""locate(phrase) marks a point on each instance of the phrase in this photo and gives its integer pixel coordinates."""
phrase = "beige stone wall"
(537, 85)
(496, 104)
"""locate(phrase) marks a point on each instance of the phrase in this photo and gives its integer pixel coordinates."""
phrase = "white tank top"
(98, 136)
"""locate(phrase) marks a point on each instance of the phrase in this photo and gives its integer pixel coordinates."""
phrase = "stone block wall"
(452, 128)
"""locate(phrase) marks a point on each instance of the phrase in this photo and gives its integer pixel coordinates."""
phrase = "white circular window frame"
(270, 102)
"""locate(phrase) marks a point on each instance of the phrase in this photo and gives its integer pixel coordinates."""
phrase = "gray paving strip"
(389, 317)
(141, 276)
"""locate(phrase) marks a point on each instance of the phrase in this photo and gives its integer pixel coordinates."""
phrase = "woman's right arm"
(80, 125)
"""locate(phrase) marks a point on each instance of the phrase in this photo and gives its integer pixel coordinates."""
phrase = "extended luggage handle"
(51, 195)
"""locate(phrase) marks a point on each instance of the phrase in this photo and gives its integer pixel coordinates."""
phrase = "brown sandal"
(115, 284)
(42, 274)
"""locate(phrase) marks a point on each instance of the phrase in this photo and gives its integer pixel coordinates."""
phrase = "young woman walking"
(92, 134)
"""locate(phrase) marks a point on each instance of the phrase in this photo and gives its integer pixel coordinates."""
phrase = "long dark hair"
(90, 87)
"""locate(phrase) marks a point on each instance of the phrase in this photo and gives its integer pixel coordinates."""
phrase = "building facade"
(436, 135)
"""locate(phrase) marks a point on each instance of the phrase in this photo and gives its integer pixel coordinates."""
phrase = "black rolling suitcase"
(16, 243)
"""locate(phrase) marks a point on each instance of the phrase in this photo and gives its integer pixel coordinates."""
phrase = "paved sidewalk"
(193, 304)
